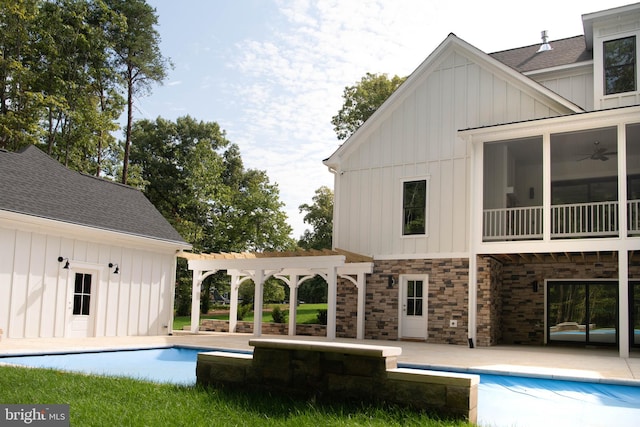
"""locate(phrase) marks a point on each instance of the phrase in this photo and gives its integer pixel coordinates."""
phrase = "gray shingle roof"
(565, 52)
(33, 183)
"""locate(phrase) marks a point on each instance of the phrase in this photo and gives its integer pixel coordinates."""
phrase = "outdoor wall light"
(111, 265)
(66, 264)
(391, 281)
(534, 286)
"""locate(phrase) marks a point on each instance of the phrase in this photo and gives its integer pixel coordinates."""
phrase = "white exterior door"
(413, 307)
(81, 306)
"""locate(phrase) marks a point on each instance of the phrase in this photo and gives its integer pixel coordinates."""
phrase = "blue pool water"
(502, 400)
(175, 365)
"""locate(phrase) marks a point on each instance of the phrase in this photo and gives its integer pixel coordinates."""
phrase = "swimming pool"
(502, 400)
(174, 365)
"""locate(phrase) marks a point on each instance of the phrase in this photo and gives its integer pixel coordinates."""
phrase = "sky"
(272, 73)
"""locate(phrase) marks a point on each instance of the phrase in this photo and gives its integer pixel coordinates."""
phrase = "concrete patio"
(598, 365)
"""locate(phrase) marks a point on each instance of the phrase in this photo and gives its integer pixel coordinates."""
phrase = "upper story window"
(620, 65)
(414, 207)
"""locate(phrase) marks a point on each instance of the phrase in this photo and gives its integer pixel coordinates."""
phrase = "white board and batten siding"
(414, 136)
(36, 292)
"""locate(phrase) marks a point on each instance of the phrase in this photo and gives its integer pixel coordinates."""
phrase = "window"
(414, 207)
(620, 65)
(414, 297)
(82, 294)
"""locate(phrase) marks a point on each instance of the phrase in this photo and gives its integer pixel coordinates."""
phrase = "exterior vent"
(545, 46)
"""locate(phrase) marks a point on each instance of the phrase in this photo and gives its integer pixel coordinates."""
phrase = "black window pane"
(87, 284)
(418, 307)
(410, 286)
(418, 289)
(77, 304)
(620, 65)
(414, 207)
(78, 283)
(85, 305)
(410, 307)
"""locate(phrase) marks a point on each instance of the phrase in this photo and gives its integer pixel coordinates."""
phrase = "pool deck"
(594, 365)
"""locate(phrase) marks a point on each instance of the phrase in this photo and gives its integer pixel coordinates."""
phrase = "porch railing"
(584, 220)
(633, 217)
(513, 223)
(567, 221)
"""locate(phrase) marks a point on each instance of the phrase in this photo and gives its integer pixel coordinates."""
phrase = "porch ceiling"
(550, 257)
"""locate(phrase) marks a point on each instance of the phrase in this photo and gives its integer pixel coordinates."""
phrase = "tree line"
(69, 69)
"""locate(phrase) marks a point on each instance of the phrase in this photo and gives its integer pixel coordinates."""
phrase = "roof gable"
(454, 44)
(32, 183)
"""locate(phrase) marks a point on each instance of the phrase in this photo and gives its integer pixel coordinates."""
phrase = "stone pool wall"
(338, 372)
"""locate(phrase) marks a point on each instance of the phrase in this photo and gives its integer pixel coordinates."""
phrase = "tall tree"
(319, 215)
(57, 87)
(196, 179)
(77, 118)
(361, 101)
(20, 105)
(136, 44)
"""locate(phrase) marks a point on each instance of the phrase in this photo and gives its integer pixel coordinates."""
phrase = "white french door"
(413, 307)
(81, 306)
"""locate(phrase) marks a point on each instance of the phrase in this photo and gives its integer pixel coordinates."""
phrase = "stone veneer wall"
(489, 302)
(347, 309)
(447, 299)
(523, 308)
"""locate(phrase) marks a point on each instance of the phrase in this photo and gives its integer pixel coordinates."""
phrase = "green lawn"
(106, 401)
(305, 314)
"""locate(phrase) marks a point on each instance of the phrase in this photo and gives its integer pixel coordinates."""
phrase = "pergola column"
(332, 290)
(258, 280)
(196, 285)
(233, 309)
(361, 300)
(293, 304)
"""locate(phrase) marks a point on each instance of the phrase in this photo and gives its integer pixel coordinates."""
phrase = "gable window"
(414, 207)
(620, 65)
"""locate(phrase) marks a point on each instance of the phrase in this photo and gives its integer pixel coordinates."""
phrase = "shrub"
(322, 316)
(244, 310)
(279, 316)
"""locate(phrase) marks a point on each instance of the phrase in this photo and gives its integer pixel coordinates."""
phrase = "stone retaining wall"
(213, 325)
(336, 372)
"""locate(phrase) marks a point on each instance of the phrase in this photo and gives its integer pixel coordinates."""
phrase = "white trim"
(427, 255)
(30, 223)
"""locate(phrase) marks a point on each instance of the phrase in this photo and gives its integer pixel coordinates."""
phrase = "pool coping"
(526, 373)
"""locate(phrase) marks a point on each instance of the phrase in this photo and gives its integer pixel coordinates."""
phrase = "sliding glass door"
(583, 312)
(634, 313)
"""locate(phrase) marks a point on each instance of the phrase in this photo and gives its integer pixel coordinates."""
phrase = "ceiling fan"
(599, 153)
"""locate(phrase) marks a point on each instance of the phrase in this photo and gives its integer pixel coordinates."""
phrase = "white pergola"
(293, 268)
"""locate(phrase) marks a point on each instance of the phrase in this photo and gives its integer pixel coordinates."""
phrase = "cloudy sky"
(272, 72)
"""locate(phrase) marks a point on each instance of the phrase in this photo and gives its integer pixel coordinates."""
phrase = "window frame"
(425, 231)
(612, 91)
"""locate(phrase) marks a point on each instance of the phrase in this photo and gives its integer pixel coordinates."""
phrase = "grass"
(305, 314)
(109, 401)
